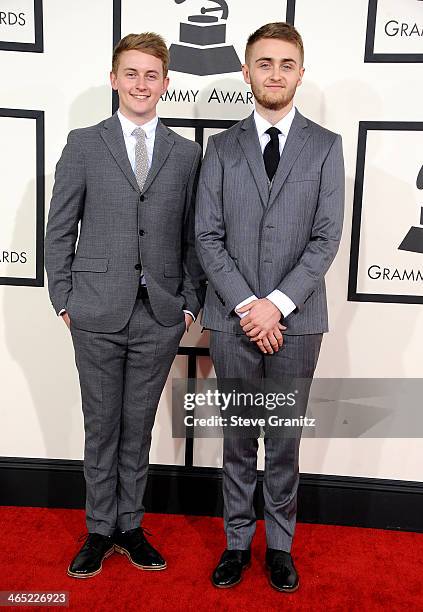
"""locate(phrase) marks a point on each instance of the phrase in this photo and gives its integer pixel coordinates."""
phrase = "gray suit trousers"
(236, 357)
(122, 376)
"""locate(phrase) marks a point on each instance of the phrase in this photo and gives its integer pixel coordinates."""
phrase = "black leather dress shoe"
(229, 570)
(89, 561)
(283, 575)
(134, 545)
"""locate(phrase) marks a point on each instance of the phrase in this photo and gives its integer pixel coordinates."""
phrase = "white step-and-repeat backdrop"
(364, 79)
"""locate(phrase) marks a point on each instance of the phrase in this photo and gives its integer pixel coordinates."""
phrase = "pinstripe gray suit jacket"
(95, 185)
(252, 241)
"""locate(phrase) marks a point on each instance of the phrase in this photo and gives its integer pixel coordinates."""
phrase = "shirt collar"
(129, 126)
(283, 125)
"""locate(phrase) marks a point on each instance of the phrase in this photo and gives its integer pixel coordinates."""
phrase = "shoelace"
(232, 560)
(139, 536)
(86, 537)
(280, 562)
(147, 532)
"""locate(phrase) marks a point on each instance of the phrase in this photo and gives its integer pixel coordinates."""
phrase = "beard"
(271, 102)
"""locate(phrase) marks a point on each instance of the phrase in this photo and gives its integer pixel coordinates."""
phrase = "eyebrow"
(271, 59)
(136, 70)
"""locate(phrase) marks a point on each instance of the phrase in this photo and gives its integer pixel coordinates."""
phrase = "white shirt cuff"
(282, 302)
(244, 303)
(61, 312)
(190, 314)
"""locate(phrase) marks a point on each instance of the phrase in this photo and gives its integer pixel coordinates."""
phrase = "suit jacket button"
(141, 232)
(138, 267)
(142, 198)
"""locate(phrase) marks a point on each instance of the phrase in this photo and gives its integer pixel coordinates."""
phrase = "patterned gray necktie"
(141, 157)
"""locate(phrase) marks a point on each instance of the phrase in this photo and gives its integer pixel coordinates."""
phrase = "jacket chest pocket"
(300, 178)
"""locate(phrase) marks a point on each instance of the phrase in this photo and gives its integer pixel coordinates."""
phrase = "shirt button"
(138, 267)
(141, 232)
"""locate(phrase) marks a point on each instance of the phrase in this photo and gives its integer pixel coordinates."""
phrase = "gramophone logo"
(413, 241)
(202, 48)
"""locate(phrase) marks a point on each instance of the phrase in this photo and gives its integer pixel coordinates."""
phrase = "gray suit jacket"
(252, 241)
(119, 227)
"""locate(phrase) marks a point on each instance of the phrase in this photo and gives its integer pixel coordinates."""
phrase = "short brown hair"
(148, 42)
(279, 30)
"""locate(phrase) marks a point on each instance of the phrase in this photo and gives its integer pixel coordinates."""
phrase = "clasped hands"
(262, 325)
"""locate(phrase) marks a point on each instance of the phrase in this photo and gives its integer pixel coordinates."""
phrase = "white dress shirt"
(279, 299)
(130, 141)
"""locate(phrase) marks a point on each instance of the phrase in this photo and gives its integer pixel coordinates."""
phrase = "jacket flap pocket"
(172, 268)
(90, 264)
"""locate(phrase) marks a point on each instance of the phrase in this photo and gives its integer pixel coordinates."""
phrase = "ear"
(113, 81)
(300, 80)
(165, 84)
(246, 73)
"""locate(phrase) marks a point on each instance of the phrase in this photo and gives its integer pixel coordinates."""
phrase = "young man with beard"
(268, 225)
(128, 293)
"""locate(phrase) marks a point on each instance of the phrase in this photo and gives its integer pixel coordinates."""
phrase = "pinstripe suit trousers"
(236, 357)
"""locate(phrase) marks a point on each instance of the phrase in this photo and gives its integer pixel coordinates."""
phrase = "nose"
(276, 75)
(140, 83)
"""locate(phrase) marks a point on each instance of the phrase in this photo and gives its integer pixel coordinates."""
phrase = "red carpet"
(341, 568)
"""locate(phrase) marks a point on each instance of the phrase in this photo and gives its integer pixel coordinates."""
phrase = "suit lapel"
(113, 137)
(163, 144)
(298, 135)
(249, 142)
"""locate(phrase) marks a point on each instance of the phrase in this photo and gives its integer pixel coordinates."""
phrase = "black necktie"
(271, 152)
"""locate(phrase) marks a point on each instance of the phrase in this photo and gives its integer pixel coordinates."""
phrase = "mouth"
(140, 96)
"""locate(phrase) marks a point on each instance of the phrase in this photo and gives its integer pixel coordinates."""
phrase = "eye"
(265, 66)
(287, 67)
(151, 77)
(130, 74)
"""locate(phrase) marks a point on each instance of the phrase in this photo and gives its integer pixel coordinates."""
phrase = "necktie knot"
(273, 133)
(139, 133)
